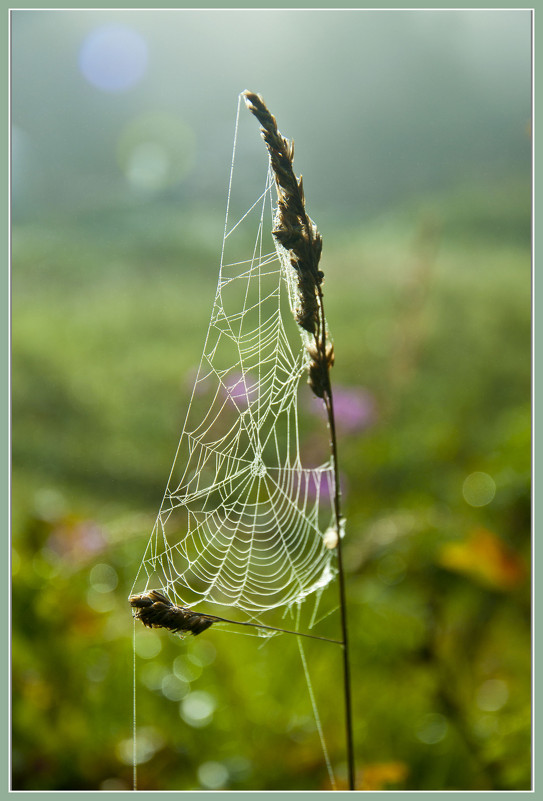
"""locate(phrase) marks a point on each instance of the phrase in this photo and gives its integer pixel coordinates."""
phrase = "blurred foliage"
(430, 311)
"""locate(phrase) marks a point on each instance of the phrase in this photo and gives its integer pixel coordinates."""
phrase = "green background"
(428, 297)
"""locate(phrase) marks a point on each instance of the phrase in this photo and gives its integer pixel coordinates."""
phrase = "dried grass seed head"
(156, 611)
(293, 229)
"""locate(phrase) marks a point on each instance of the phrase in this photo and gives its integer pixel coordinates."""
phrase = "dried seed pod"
(156, 611)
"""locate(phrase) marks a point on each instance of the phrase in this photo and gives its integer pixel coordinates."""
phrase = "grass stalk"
(155, 610)
(297, 235)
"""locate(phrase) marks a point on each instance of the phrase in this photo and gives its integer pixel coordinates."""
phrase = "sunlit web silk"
(242, 520)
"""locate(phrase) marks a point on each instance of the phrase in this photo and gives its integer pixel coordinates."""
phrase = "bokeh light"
(153, 674)
(479, 489)
(186, 670)
(212, 775)
(113, 57)
(100, 602)
(148, 644)
(155, 151)
(197, 708)
(50, 504)
(203, 653)
(148, 741)
(174, 688)
(492, 695)
(103, 578)
(432, 728)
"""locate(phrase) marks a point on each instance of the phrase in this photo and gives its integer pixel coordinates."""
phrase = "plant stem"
(342, 598)
(295, 232)
(329, 404)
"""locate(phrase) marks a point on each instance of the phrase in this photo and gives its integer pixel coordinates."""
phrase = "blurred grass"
(430, 312)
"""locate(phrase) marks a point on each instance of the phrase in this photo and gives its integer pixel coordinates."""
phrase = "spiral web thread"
(242, 523)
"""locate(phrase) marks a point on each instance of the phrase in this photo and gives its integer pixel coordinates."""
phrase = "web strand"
(316, 715)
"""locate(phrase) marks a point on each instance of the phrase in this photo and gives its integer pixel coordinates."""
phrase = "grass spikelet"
(319, 369)
(294, 230)
(156, 611)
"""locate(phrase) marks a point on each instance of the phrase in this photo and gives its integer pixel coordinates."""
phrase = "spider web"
(243, 520)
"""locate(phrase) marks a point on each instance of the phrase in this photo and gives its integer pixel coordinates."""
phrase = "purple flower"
(77, 540)
(241, 389)
(323, 484)
(354, 408)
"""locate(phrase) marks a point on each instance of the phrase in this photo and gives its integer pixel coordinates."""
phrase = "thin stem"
(342, 598)
(134, 728)
(329, 404)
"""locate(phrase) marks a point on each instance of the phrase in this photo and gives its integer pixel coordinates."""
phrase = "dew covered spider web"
(242, 527)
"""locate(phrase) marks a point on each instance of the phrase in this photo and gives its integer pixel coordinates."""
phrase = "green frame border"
(5, 402)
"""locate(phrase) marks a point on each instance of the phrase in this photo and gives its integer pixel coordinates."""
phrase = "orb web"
(243, 519)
